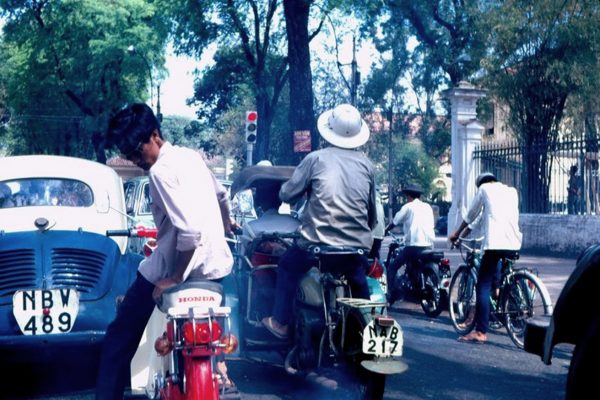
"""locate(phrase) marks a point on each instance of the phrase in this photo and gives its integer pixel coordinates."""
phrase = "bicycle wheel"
(526, 297)
(462, 300)
(431, 299)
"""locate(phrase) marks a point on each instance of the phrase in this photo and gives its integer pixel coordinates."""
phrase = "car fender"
(577, 304)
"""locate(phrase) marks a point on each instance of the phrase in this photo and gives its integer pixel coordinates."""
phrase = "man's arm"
(181, 264)
(229, 225)
(454, 237)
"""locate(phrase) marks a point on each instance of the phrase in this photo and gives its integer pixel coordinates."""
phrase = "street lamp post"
(132, 50)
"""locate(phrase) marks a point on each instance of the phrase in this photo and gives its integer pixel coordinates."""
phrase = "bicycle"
(522, 294)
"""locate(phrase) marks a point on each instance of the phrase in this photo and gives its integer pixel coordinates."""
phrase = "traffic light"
(251, 120)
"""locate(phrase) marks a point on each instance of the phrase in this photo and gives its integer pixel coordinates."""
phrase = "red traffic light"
(251, 116)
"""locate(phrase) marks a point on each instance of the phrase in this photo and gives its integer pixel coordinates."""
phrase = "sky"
(178, 85)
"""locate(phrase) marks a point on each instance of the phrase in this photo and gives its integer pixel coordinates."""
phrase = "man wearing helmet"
(340, 209)
(496, 207)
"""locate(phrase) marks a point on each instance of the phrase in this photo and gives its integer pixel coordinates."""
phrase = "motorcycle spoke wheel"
(431, 296)
(368, 385)
(462, 300)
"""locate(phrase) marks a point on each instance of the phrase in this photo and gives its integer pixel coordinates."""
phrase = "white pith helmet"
(343, 127)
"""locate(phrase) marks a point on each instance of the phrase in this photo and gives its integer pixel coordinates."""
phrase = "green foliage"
(450, 37)
(412, 165)
(67, 69)
(545, 52)
(436, 137)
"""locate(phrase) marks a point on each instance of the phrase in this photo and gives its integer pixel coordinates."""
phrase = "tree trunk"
(301, 115)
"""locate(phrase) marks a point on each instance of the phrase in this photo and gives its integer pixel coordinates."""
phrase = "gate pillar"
(466, 137)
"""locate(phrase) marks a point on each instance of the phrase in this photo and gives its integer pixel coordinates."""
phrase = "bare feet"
(474, 336)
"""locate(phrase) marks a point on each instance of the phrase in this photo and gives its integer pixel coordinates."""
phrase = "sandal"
(228, 391)
(268, 323)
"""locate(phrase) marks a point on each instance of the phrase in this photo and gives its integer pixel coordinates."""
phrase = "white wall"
(559, 235)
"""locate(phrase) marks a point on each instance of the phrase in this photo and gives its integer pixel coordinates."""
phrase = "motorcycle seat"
(322, 249)
(192, 293)
(431, 255)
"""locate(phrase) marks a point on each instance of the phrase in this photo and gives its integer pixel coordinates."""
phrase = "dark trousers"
(122, 338)
(296, 261)
(409, 256)
(489, 276)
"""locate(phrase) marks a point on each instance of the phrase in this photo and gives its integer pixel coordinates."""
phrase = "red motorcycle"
(197, 333)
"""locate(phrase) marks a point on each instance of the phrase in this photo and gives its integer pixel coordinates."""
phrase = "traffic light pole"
(249, 149)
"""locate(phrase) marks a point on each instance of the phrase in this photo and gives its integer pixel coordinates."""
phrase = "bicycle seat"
(512, 255)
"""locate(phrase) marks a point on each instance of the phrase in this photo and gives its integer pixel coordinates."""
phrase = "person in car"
(6, 196)
(340, 209)
(188, 204)
(495, 209)
(416, 219)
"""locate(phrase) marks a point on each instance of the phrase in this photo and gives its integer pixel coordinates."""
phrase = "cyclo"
(331, 332)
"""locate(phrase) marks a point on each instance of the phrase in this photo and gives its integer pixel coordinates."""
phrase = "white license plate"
(383, 340)
(41, 312)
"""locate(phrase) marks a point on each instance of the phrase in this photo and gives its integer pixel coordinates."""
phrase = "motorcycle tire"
(431, 296)
(369, 385)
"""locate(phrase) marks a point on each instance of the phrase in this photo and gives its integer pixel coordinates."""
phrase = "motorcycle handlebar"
(137, 232)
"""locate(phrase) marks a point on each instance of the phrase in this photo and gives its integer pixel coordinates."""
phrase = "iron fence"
(555, 178)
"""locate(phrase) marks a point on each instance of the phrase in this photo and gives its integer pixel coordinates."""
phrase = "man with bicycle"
(496, 208)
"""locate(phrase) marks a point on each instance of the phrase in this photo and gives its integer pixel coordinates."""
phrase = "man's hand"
(388, 229)
(163, 285)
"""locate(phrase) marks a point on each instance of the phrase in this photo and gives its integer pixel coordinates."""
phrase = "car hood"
(57, 259)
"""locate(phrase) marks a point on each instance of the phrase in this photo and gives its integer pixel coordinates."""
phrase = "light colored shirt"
(496, 208)
(185, 206)
(271, 221)
(340, 188)
(379, 230)
(416, 218)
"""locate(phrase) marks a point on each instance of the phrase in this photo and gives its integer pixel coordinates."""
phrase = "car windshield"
(45, 192)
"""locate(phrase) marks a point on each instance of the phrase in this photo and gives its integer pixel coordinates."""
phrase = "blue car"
(61, 277)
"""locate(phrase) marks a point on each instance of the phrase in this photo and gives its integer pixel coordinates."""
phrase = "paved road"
(440, 367)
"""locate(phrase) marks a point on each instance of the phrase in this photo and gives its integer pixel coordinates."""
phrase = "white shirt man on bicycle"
(496, 208)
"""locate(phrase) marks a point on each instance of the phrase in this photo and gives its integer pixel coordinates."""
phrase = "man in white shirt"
(496, 207)
(189, 208)
(416, 219)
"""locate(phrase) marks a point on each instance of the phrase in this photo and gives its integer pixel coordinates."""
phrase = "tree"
(301, 116)
(544, 52)
(449, 34)
(252, 26)
(67, 69)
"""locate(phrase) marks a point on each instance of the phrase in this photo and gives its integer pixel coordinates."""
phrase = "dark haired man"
(188, 208)
(416, 218)
(496, 207)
